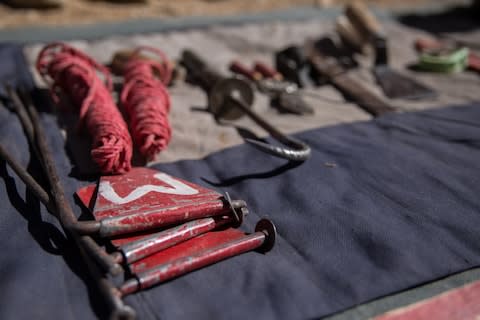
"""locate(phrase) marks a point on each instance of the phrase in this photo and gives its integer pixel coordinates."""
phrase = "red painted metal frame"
(161, 256)
(139, 246)
(197, 253)
(151, 208)
(150, 244)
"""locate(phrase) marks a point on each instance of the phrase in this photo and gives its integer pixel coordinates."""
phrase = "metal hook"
(231, 98)
(296, 150)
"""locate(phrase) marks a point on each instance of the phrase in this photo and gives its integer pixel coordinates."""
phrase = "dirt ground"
(88, 11)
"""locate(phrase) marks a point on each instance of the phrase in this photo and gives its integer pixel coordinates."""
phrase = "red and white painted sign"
(141, 190)
(145, 199)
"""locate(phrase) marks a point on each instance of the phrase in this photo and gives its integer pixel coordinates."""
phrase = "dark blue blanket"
(380, 207)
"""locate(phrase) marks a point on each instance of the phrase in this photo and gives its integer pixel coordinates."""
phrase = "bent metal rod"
(230, 98)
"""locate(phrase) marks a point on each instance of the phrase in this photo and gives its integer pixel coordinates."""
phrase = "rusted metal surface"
(197, 253)
(29, 181)
(88, 248)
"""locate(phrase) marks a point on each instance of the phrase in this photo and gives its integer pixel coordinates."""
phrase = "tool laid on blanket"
(284, 95)
(325, 62)
(231, 98)
(394, 84)
(143, 197)
(198, 225)
(292, 64)
(437, 56)
(333, 71)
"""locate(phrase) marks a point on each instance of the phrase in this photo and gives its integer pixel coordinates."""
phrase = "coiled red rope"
(147, 101)
(75, 74)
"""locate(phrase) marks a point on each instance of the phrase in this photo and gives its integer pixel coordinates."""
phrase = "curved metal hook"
(230, 98)
(300, 151)
(296, 150)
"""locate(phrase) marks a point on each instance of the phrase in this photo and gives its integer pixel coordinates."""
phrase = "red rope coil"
(147, 101)
(75, 74)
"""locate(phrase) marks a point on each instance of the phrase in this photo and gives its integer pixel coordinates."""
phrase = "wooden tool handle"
(363, 19)
(349, 35)
(239, 68)
(267, 71)
(361, 95)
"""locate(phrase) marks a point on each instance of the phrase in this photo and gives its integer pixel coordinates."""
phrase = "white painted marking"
(106, 190)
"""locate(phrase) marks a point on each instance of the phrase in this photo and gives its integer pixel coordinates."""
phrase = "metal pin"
(263, 239)
(131, 223)
(158, 241)
(231, 98)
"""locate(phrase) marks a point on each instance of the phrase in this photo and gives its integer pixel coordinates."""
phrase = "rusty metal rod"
(65, 213)
(87, 247)
(22, 116)
(110, 293)
(29, 181)
(263, 239)
(82, 227)
(123, 224)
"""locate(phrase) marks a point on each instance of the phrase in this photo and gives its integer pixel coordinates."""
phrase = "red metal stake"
(146, 246)
(180, 259)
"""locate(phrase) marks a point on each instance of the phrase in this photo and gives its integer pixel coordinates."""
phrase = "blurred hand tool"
(284, 95)
(394, 84)
(351, 36)
(336, 74)
(447, 57)
(292, 64)
(231, 98)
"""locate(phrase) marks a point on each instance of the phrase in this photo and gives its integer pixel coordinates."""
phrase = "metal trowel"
(394, 84)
